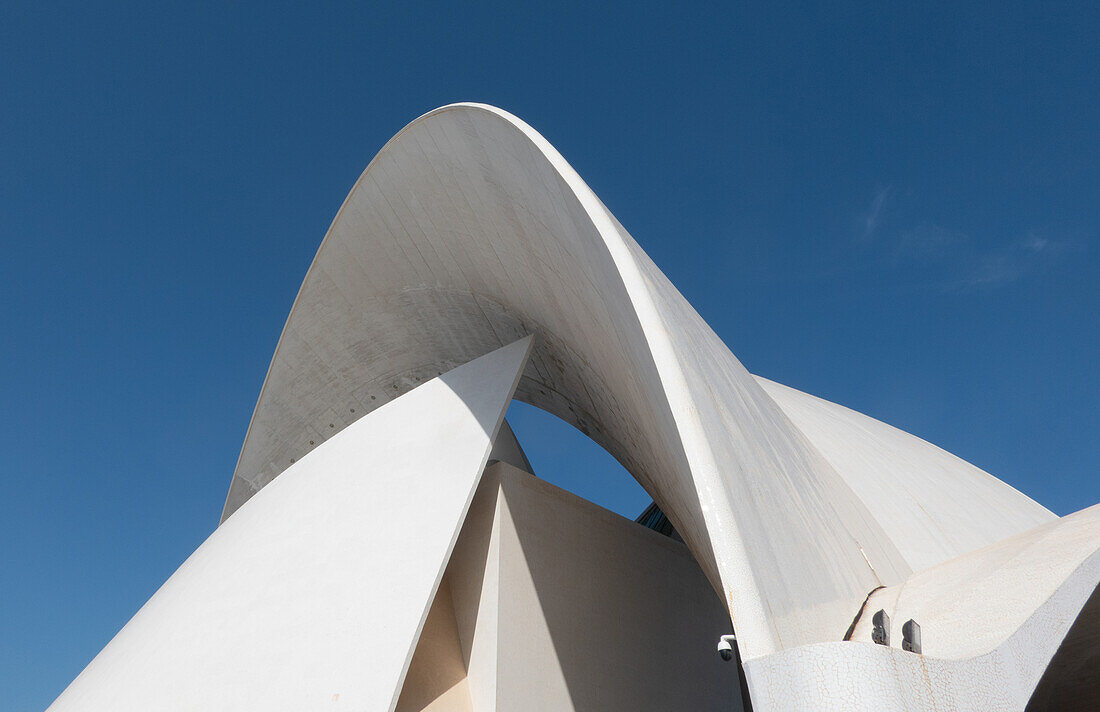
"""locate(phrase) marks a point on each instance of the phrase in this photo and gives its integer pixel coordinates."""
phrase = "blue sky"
(893, 206)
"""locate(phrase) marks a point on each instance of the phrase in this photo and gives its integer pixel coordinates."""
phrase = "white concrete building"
(372, 557)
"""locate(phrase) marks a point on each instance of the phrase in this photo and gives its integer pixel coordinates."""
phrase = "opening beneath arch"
(567, 458)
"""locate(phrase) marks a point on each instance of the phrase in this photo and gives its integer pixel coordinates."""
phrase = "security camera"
(725, 646)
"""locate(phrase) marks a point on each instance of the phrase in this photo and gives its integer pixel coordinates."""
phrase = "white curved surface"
(970, 605)
(933, 505)
(467, 231)
(313, 595)
(864, 677)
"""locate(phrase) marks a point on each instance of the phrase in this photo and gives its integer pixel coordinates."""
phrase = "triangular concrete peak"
(483, 382)
(315, 591)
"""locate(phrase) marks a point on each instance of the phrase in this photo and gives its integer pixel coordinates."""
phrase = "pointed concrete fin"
(315, 591)
(483, 382)
(506, 448)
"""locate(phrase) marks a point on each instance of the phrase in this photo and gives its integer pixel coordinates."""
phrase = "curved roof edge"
(469, 230)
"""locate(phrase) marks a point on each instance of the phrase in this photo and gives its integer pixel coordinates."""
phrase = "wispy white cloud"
(944, 258)
(1006, 264)
(872, 217)
(929, 242)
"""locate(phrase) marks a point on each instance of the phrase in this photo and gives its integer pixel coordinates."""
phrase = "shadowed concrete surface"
(436, 681)
(1070, 683)
(573, 608)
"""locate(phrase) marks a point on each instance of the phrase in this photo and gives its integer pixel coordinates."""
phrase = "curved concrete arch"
(468, 231)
